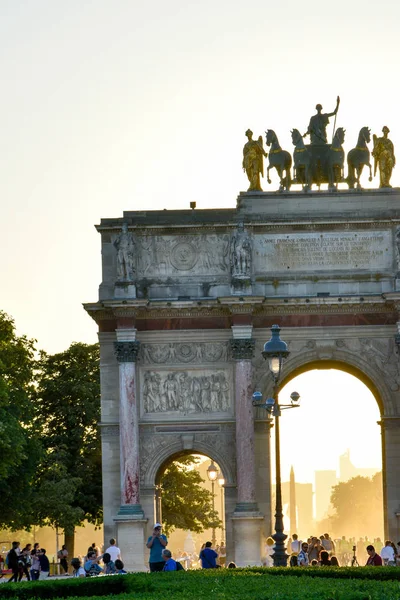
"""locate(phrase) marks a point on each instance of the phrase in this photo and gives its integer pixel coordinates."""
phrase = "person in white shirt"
(295, 544)
(113, 550)
(388, 554)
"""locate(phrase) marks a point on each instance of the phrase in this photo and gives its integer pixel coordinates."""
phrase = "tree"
(358, 506)
(185, 503)
(19, 444)
(68, 488)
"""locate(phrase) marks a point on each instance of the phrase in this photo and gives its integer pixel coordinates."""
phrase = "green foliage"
(67, 412)
(19, 445)
(185, 503)
(246, 584)
(358, 506)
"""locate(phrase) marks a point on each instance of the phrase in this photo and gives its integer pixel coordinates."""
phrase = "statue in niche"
(253, 161)
(383, 154)
(125, 247)
(241, 252)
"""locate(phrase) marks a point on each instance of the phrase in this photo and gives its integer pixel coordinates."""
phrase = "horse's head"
(340, 133)
(365, 133)
(270, 136)
(296, 136)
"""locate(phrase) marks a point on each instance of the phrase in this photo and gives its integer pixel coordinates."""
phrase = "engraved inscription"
(334, 251)
(186, 391)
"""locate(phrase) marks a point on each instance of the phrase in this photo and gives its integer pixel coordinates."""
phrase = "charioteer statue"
(318, 124)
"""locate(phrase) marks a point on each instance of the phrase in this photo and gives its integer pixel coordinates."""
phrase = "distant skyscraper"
(347, 470)
(292, 503)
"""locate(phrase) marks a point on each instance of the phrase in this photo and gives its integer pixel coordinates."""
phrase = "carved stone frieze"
(189, 352)
(195, 391)
(126, 351)
(223, 445)
(242, 349)
(150, 446)
(381, 354)
(161, 255)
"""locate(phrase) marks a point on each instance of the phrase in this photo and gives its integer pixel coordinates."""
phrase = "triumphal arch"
(186, 302)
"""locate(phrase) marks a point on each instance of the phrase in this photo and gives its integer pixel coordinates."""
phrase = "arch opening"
(190, 502)
(332, 443)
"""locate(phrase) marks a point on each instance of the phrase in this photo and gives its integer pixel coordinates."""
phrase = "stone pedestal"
(125, 289)
(131, 541)
(247, 538)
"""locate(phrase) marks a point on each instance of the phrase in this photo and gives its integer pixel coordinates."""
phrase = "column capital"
(242, 349)
(126, 352)
(389, 422)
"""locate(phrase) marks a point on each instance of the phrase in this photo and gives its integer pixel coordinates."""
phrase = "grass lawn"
(243, 584)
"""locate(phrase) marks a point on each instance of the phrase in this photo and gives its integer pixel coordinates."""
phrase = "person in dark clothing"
(13, 563)
(208, 557)
(44, 564)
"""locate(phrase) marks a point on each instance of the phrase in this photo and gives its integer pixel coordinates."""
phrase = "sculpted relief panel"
(191, 391)
(161, 255)
(190, 352)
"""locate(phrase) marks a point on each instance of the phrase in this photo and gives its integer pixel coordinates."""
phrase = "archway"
(190, 502)
(332, 438)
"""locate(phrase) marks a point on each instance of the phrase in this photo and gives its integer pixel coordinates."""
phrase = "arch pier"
(185, 305)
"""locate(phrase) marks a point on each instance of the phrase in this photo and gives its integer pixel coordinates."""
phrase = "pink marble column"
(126, 350)
(242, 353)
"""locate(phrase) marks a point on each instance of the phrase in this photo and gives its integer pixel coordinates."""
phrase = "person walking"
(63, 556)
(12, 561)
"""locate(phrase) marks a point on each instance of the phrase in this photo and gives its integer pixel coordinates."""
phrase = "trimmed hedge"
(221, 584)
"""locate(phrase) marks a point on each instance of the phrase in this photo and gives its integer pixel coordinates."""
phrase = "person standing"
(295, 544)
(35, 566)
(63, 556)
(44, 564)
(374, 560)
(208, 557)
(12, 561)
(156, 543)
(112, 550)
(302, 558)
(388, 554)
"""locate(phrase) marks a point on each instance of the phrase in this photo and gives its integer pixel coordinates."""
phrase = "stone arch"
(347, 362)
(175, 449)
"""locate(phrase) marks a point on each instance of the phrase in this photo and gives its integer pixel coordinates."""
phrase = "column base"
(131, 540)
(131, 510)
(247, 527)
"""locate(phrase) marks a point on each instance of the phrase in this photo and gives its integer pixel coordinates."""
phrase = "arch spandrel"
(373, 361)
(160, 449)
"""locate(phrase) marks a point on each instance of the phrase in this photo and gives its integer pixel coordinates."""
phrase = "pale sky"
(121, 105)
(337, 413)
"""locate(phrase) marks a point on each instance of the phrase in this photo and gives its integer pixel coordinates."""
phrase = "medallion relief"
(203, 254)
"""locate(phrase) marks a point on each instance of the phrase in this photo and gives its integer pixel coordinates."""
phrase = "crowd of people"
(324, 551)
(33, 563)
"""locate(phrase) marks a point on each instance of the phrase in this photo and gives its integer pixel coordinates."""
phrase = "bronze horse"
(278, 159)
(302, 161)
(357, 158)
(335, 161)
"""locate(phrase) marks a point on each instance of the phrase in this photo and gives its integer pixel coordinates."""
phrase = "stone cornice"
(255, 306)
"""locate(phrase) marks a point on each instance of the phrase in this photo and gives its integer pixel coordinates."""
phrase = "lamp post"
(276, 351)
(221, 483)
(212, 474)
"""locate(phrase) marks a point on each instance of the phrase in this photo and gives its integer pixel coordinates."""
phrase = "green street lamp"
(212, 474)
(276, 351)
